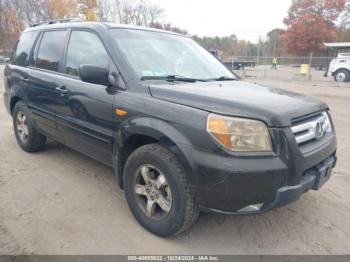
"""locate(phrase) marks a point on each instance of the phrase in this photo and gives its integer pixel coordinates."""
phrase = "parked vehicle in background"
(239, 64)
(4, 60)
(215, 53)
(339, 67)
(182, 133)
(344, 55)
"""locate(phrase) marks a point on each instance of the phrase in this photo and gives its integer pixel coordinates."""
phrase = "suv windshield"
(156, 54)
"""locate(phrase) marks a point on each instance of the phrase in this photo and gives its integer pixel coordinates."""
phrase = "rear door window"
(50, 50)
(24, 48)
(85, 48)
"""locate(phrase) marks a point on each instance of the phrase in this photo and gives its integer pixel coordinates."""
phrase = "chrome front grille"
(312, 128)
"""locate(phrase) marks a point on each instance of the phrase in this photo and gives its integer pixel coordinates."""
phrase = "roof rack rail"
(66, 20)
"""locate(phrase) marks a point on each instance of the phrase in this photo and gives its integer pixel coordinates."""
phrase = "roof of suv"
(94, 25)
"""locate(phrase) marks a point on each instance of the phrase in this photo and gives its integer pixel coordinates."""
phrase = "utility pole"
(310, 65)
(258, 58)
(265, 68)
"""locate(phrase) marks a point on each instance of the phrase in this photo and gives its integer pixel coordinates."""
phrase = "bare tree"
(137, 12)
(15, 15)
(104, 10)
(345, 16)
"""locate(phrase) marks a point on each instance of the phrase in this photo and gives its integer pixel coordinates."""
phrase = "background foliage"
(309, 23)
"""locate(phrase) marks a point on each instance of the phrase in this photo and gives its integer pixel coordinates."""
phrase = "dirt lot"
(60, 202)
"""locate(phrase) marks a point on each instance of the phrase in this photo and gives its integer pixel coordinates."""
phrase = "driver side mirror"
(94, 75)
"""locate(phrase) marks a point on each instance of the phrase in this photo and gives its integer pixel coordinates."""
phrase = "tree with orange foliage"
(310, 24)
(60, 9)
(88, 9)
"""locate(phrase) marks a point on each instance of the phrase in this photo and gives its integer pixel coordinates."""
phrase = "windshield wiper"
(172, 78)
(224, 78)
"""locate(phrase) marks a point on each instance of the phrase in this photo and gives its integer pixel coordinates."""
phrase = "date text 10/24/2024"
(173, 258)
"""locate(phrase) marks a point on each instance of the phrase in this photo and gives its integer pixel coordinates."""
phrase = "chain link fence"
(289, 68)
(241, 62)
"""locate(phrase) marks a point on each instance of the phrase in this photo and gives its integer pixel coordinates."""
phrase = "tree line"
(309, 23)
(15, 15)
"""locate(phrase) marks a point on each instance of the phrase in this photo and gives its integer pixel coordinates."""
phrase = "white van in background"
(339, 67)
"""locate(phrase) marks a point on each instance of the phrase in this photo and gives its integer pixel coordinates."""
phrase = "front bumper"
(231, 184)
(313, 179)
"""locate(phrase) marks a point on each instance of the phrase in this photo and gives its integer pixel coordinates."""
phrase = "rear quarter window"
(24, 48)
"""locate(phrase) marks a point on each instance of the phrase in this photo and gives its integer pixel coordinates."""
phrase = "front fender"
(157, 129)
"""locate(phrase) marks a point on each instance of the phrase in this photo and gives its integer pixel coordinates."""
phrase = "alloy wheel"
(341, 77)
(152, 192)
(22, 127)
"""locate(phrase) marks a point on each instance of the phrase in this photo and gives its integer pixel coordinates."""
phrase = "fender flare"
(14, 96)
(156, 129)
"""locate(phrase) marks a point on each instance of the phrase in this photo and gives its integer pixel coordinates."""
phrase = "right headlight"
(239, 134)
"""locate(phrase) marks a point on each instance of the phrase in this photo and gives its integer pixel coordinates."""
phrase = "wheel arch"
(13, 101)
(144, 131)
(342, 68)
(15, 95)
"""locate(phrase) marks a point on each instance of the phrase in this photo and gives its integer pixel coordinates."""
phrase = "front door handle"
(62, 89)
(24, 79)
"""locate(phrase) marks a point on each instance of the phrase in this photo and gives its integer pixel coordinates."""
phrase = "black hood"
(274, 106)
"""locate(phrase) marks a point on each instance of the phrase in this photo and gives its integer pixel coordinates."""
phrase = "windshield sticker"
(147, 73)
(159, 72)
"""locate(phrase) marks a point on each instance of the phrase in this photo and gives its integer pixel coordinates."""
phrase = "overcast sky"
(245, 18)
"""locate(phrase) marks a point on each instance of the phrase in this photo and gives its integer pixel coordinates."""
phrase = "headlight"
(239, 134)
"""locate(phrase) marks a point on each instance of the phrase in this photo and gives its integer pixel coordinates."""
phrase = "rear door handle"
(62, 89)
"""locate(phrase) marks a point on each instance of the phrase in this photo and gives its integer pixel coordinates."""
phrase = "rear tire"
(28, 138)
(157, 163)
(342, 75)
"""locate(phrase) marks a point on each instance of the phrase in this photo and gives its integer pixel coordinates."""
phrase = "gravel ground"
(61, 202)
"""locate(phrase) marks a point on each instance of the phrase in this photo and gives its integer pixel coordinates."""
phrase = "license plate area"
(323, 172)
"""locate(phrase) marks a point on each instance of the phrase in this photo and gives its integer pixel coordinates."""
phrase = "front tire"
(157, 191)
(342, 75)
(28, 138)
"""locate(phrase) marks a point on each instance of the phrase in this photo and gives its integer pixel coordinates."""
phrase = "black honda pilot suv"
(181, 131)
